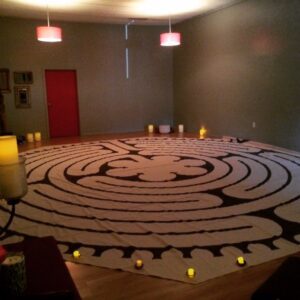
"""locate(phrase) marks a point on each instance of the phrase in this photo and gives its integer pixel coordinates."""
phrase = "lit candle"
(180, 128)
(241, 261)
(37, 136)
(8, 150)
(29, 137)
(76, 254)
(150, 128)
(139, 264)
(13, 184)
(191, 272)
(202, 132)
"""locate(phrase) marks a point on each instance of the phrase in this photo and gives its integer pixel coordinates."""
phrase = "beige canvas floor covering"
(173, 202)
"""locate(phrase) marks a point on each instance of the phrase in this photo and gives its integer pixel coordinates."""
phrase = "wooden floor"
(105, 284)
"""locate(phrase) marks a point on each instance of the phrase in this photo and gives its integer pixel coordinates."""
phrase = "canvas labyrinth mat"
(173, 202)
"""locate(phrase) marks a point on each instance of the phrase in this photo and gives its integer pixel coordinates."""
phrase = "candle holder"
(13, 186)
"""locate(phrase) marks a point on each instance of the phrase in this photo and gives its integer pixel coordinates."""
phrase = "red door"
(62, 102)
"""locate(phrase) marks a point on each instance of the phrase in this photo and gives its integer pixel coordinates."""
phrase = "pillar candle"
(8, 150)
(13, 182)
(13, 276)
(180, 128)
(150, 128)
(29, 137)
(37, 136)
(202, 132)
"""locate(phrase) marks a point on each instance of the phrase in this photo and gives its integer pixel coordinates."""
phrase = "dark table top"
(46, 273)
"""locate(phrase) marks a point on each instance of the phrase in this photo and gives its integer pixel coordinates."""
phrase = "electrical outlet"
(253, 124)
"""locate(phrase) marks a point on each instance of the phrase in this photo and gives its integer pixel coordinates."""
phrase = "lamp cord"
(170, 24)
(48, 21)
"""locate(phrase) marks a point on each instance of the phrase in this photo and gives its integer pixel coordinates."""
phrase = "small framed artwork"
(25, 77)
(4, 81)
(22, 96)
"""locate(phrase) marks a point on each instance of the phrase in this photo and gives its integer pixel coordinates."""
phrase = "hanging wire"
(48, 20)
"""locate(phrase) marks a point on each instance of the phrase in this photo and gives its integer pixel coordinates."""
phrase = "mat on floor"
(175, 203)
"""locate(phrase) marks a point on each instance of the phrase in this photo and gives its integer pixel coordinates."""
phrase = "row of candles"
(202, 130)
(190, 272)
(33, 137)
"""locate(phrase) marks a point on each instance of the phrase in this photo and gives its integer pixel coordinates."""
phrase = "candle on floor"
(202, 132)
(139, 264)
(37, 136)
(76, 254)
(29, 137)
(8, 150)
(180, 128)
(191, 272)
(150, 128)
(240, 261)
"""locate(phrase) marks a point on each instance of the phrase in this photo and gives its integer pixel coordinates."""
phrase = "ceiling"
(148, 12)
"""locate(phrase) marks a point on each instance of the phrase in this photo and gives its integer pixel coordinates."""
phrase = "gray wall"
(239, 65)
(108, 102)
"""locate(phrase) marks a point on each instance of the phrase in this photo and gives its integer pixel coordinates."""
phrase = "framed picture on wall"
(22, 96)
(4, 81)
(23, 77)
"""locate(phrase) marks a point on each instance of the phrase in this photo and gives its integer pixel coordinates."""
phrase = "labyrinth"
(172, 202)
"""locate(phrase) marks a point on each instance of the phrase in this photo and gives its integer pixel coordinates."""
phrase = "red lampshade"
(48, 34)
(170, 39)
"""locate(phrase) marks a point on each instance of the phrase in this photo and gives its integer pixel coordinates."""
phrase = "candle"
(8, 150)
(37, 136)
(76, 254)
(13, 276)
(139, 264)
(29, 137)
(191, 272)
(241, 261)
(13, 180)
(202, 132)
(180, 128)
(150, 128)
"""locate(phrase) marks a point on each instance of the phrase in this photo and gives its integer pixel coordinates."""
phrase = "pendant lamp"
(48, 33)
(170, 38)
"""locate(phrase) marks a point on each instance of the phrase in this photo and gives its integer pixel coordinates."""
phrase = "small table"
(46, 273)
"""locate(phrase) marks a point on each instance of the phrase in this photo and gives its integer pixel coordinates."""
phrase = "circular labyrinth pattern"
(196, 198)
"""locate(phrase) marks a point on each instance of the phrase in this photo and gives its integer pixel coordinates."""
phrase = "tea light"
(76, 254)
(240, 261)
(180, 128)
(139, 264)
(8, 150)
(37, 136)
(150, 128)
(191, 272)
(29, 137)
(202, 132)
